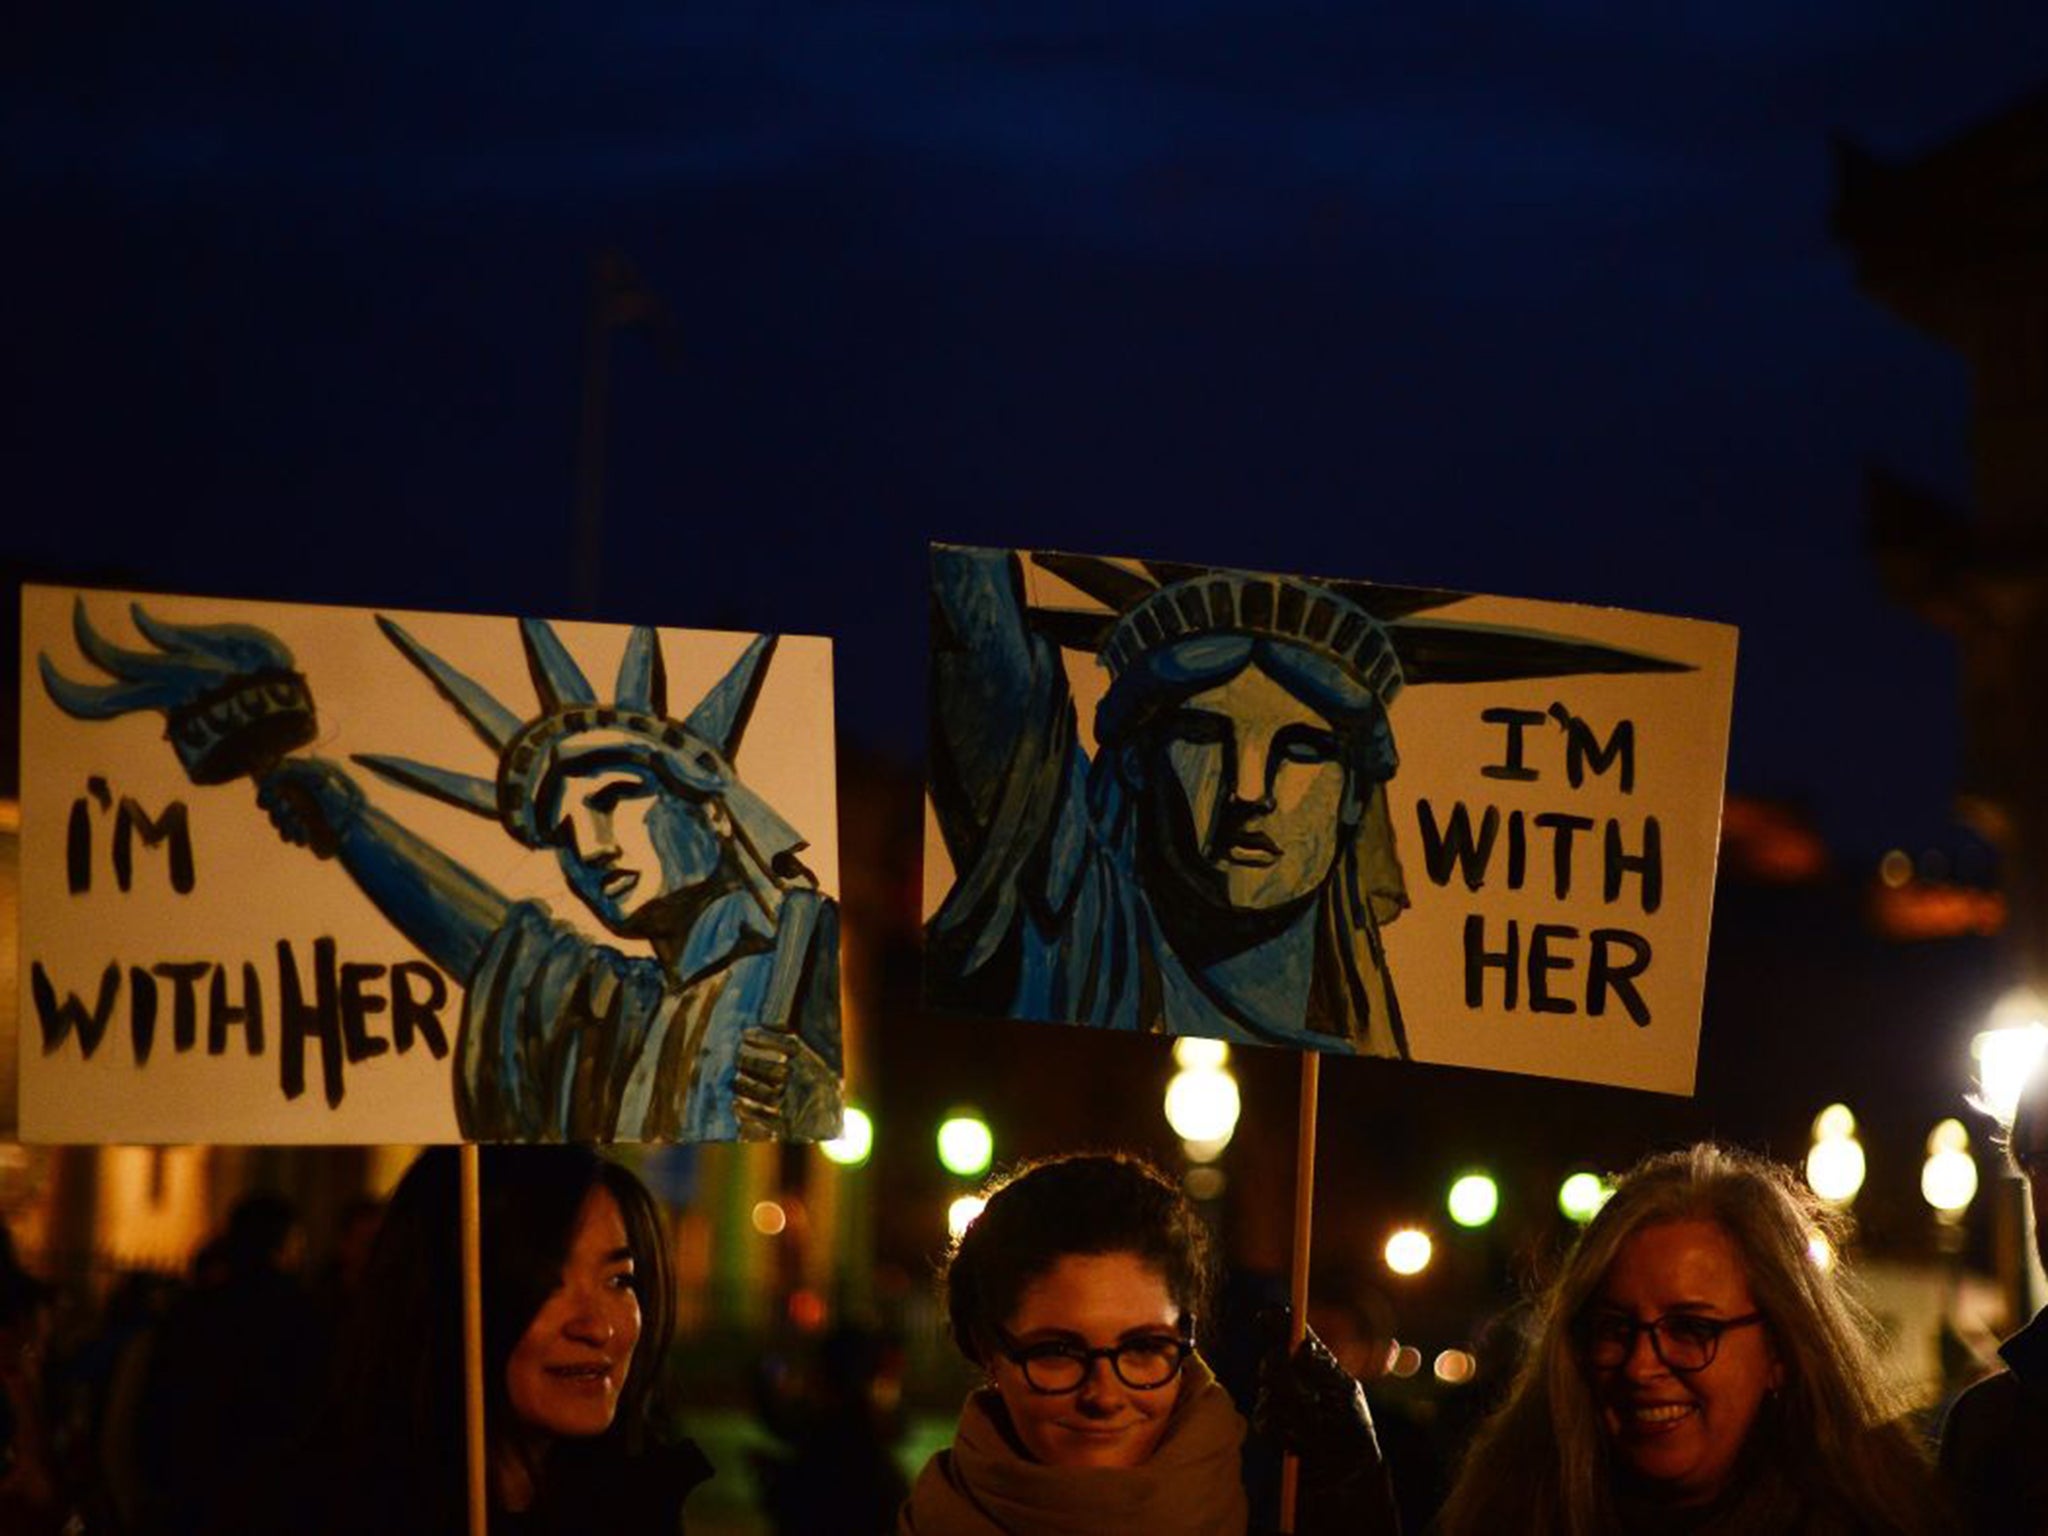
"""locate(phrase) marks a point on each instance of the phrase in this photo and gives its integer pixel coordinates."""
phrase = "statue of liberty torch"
(729, 1031)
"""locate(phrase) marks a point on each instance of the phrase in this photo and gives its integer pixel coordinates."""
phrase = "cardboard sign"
(1326, 814)
(309, 874)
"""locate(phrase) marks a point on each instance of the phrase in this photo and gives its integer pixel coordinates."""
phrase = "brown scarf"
(985, 1486)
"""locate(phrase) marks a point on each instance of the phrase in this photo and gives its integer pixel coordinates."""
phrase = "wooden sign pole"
(473, 1340)
(1304, 1208)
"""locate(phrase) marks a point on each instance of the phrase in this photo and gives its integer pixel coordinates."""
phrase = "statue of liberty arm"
(446, 911)
(1004, 750)
(731, 1030)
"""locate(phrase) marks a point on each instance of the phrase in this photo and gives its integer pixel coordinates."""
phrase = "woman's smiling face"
(1681, 1431)
(565, 1373)
(1090, 1301)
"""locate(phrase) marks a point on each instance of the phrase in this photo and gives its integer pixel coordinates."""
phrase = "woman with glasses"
(1698, 1367)
(1077, 1291)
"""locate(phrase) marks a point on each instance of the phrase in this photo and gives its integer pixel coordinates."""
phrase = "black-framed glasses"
(1144, 1364)
(1684, 1341)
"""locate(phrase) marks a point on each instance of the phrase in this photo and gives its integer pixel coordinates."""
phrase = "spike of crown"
(694, 754)
(1284, 608)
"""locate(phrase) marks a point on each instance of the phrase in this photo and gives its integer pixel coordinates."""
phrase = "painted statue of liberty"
(1223, 864)
(730, 1030)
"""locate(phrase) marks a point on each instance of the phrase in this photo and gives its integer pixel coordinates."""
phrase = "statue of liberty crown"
(1283, 608)
(1369, 630)
(696, 752)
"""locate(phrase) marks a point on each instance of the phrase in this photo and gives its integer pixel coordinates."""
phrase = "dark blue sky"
(1536, 299)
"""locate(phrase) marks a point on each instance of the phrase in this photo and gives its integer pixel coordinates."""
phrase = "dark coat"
(604, 1492)
(592, 1488)
(1994, 1445)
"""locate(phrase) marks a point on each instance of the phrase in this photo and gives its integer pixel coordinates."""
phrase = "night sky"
(1531, 299)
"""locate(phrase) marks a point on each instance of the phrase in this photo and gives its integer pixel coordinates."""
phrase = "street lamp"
(1581, 1195)
(1474, 1200)
(966, 1145)
(1835, 1164)
(1408, 1251)
(856, 1139)
(1948, 1179)
(1202, 1101)
(2008, 1051)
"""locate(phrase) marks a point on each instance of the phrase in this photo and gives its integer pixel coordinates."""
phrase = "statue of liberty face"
(627, 842)
(1249, 793)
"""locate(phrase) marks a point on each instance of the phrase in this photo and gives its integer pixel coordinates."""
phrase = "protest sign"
(313, 874)
(1329, 814)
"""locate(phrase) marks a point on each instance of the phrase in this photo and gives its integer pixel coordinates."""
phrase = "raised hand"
(311, 802)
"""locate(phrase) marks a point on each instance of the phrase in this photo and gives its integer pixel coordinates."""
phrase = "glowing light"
(1820, 1251)
(1454, 1367)
(1204, 1183)
(1948, 1179)
(966, 1145)
(961, 1213)
(1835, 1168)
(1834, 1163)
(1407, 1361)
(2007, 1054)
(1408, 1251)
(1895, 868)
(807, 1310)
(1580, 1197)
(1202, 1106)
(1833, 1123)
(769, 1218)
(1199, 1055)
(1474, 1200)
(856, 1139)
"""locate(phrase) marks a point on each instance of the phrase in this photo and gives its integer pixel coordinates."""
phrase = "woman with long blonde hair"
(1699, 1366)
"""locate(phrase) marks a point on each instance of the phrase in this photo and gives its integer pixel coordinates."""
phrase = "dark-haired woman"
(1077, 1290)
(1698, 1367)
(577, 1318)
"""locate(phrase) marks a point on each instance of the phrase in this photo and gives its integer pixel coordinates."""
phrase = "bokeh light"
(1199, 1055)
(2007, 1054)
(855, 1141)
(1204, 1183)
(1474, 1200)
(1833, 1123)
(1948, 1179)
(1408, 1251)
(1835, 1168)
(961, 1213)
(966, 1145)
(1581, 1195)
(1202, 1106)
(1454, 1367)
